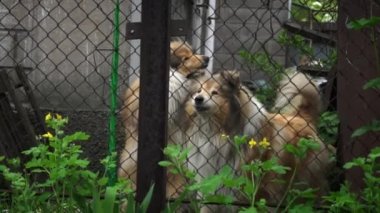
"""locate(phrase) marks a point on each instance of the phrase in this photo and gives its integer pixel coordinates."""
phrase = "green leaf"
(96, 203)
(109, 199)
(292, 149)
(145, 203)
(375, 153)
(183, 155)
(165, 163)
(77, 136)
(172, 150)
(220, 199)
(103, 181)
(363, 23)
(208, 185)
(308, 193)
(239, 140)
(374, 126)
(249, 210)
(131, 206)
(254, 167)
(235, 182)
(302, 208)
(174, 171)
(355, 162)
(361, 131)
(303, 146)
(372, 84)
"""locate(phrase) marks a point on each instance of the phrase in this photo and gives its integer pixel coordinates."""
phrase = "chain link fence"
(65, 50)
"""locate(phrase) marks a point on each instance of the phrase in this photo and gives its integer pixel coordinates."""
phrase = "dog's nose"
(206, 59)
(199, 100)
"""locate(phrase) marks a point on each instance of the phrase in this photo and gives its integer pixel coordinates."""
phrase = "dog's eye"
(186, 58)
(214, 92)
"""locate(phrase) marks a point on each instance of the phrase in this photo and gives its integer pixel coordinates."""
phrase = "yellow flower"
(252, 143)
(59, 117)
(48, 117)
(224, 136)
(264, 143)
(47, 135)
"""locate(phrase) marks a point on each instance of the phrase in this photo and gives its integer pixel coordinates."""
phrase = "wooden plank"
(311, 34)
(31, 98)
(29, 130)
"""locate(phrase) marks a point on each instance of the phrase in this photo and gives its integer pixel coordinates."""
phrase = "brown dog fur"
(223, 106)
(184, 62)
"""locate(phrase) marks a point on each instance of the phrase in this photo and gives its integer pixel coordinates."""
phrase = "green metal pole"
(111, 170)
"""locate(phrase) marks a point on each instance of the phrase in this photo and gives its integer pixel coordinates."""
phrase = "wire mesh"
(67, 48)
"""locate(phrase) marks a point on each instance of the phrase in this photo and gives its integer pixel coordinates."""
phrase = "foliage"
(263, 62)
(275, 71)
(328, 126)
(368, 200)
(328, 122)
(374, 126)
(303, 47)
(296, 41)
(372, 84)
(363, 23)
(245, 185)
(320, 11)
(57, 179)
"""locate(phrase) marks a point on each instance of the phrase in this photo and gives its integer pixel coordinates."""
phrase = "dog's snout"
(198, 100)
(206, 59)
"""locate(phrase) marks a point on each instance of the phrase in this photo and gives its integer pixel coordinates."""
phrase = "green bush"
(57, 179)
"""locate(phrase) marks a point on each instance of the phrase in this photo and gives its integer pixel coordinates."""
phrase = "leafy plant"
(263, 62)
(368, 200)
(298, 42)
(318, 10)
(57, 179)
(274, 71)
(328, 126)
(246, 184)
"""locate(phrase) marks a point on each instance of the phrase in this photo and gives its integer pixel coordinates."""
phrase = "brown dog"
(223, 106)
(184, 64)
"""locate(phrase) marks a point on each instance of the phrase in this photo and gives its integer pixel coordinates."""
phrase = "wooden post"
(153, 109)
(356, 106)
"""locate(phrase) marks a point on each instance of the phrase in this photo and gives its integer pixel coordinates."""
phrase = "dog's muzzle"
(205, 60)
(199, 103)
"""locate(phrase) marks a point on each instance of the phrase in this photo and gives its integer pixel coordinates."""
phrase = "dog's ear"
(231, 78)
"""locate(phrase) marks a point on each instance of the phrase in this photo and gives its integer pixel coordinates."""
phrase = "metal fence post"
(153, 100)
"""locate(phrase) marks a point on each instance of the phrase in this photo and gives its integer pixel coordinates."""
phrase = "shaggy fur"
(219, 107)
(223, 106)
(185, 65)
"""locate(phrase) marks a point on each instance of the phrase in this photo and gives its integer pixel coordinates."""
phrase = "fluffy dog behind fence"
(223, 106)
(185, 66)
